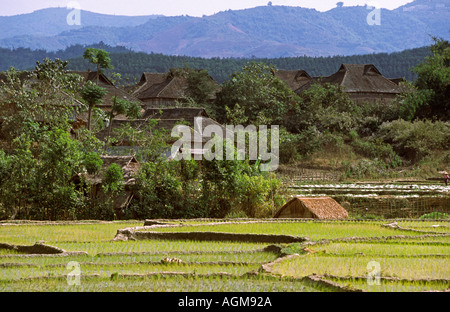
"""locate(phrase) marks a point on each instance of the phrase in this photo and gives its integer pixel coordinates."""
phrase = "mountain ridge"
(263, 31)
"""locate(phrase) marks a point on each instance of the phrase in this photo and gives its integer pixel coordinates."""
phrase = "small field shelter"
(312, 207)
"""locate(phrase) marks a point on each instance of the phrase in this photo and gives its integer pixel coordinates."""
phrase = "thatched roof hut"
(312, 207)
(294, 79)
(130, 166)
(112, 91)
(165, 89)
(167, 119)
(363, 83)
(185, 113)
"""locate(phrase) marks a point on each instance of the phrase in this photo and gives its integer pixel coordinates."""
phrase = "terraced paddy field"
(408, 199)
(241, 255)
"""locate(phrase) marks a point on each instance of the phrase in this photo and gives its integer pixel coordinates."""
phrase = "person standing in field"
(446, 178)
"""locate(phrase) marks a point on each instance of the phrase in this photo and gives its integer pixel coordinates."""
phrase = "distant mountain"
(263, 32)
(53, 21)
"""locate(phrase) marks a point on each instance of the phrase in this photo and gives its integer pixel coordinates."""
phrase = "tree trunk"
(111, 116)
(89, 117)
(98, 74)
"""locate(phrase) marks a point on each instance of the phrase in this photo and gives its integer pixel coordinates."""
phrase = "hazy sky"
(178, 7)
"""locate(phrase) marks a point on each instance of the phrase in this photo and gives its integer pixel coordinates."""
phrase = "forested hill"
(132, 64)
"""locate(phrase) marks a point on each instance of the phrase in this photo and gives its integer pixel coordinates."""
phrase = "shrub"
(365, 168)
(92, 162)
(416, 140)
(216, 189)
(257, 196)
(113, 179)
(434, 215)
(376, 149)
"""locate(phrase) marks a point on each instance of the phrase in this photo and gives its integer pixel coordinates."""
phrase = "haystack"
(312, 207)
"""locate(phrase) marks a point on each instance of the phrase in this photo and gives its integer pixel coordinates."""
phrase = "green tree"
(43, 97)
(147, 143)
(92, 95)
(432, 85)
(100, 58)
(18, 182)
(113, 180)
(123, 107)
(162, 193)
(201, 88)
(39, 174)
(418, 139)
(60, 158)
(325, 107)
(54, 75)
(92, 162)
(113, 185)
(263, 97)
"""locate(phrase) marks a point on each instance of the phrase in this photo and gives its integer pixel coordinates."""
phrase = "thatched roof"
(167, 119)
(119, 123)
(92, 76)
(312, 207)
(185, 113)
(57, 103)
(129, 165)
(358, 78)
(111, 89)
(294, 79)
(171, 85)
(24, 75)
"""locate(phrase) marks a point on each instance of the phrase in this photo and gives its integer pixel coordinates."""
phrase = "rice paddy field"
(353, 256)
(383, 200)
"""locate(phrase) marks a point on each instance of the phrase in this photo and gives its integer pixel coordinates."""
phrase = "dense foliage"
(44, 160)
(132, 64)
(214, 189)
(432, 88)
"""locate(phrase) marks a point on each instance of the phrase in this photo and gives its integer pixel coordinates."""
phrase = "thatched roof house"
(165, 89)
(56, 104)
(294, 79)
(112, 91)
(183, 113)
(130, 167)
(312, 207)
(167, 119)
(116, 124)
(363, 83)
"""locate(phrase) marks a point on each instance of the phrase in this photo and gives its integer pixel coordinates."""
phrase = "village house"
(294, 79)
(164, 89)
(362, 82)
(130, 167)
(58, 103)
(112, 91)
(167, 120)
